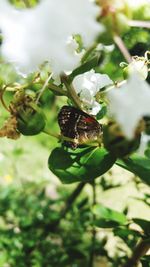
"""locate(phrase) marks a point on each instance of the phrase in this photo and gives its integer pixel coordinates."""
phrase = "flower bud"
(115, 141)
(30, 121)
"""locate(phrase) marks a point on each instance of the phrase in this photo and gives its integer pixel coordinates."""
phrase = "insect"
(78, 125)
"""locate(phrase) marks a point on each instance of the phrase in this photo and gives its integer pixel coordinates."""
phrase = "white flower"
(129, 103)
(140, 65)
(40, 34)
(143, 144)
(87, 85)
(94, 108)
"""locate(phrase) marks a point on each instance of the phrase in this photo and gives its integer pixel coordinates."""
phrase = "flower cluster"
(47, 33)
(129, 103)
(40, 34)
(87, 85)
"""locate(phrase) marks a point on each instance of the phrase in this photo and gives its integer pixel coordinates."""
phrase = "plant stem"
(140, 250)
(26, 2)
(68, 139)
(91, 258)
(60, 137)
(51, 134)
(2, 98)
(88, 52)
(119, 42)
(51, 87)
(44, 87)
(139, 23)
(57, 89)
(110, 87)
(71, 199)
(71, 92)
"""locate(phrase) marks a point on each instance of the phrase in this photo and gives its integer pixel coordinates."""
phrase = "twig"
(51, 134)
(88, 52)
(44, 87)
(140, 250)
(57, 89)
(27, 3)
(68, 139)
(91, 258)
(71, 92)
(2, 98)
(119, 42)
(59, 137)
(116, 85)
(71, 199)
(139, 23)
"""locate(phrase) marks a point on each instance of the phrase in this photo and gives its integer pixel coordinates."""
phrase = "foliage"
(80, 165)
(24, 4)
(30, 237)
(37, 230)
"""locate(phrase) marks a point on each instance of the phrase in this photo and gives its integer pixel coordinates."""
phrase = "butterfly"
(78, 125)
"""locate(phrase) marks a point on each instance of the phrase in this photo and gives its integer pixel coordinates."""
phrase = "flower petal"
(129, 103)
(87, 85)
(40, 34)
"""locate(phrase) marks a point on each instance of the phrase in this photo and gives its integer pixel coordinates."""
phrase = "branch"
(95, 143)
(49, 85)
(140, 250)
(59, 137)
(57, 89)
(119, 42)
(88, 52)
(138, 23)
(71, 199)
(2, 98)
(43, 88)
(27, 3)
(71, 92)
(91, 258)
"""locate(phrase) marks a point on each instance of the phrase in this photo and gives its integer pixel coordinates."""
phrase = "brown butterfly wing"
(88, 128)
(67, 118)
(77, 124)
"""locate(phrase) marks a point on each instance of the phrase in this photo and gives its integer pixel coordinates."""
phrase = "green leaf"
(106, 217)
(140, 166)
(145, 261)
(87, 66)
(83, 164)
(124, 233)
(144, 224)
(147, 153)
(102, 223)
(101, 113)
